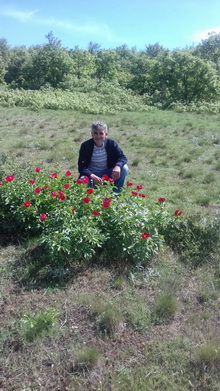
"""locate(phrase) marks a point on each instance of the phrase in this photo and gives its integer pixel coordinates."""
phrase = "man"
(100, 156)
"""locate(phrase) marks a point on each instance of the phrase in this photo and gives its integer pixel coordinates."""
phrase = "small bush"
(38, 324)
(164, 308)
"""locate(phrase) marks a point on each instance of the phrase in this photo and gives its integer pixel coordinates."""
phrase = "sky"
(110, 23)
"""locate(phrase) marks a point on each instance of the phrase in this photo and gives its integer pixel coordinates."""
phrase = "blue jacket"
(115, 155)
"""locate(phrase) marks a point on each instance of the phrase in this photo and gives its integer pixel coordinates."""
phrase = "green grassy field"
(114, 327)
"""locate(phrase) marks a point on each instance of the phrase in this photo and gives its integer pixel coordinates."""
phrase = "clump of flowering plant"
(75, 222)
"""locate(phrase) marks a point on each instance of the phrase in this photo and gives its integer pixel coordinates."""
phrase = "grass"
(112, 327)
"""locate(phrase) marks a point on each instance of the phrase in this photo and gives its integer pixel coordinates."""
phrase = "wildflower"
(107, 199)
(105, 204)
(139, 187)
(1, 183)
(68, 173)
(66, 186)
(134, 193)
(37, 190)
(111, 180)
(161, 199)
(27, 204)
(85, 179)
(53, 193)
(9, 178)
(95, 212)
(74, 210)
(43, 216)
(46, 187)
(37, 169)
(142, 195)
(129, 183)
(62, 197)
(145, 235)
(89, 191)
(178, 212)
(86, 200)
(105, 177)
(54, 175)
(61, 192)
(32, 180)
(79, 180)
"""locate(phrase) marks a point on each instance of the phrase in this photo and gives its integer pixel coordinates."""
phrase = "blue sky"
(110, 23)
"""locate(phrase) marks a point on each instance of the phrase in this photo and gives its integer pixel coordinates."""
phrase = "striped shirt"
(98, 161)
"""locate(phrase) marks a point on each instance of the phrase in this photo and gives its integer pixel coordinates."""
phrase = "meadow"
(106, 324)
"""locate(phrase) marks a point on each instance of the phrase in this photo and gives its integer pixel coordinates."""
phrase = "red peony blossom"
(61, 192)
(105, 177)
(9, 178)
(37, 190)
(1, 183)
(46, 187)
(107, 199)
(111, 180)
(53, 193)
(139, 187)
(54, 175)
(145, 235)
(79, 180)
(74, 210)
(85, 179)
(178, 212)
(142, 195)
(43, 216)
(66, 186)
(62, 197)
(37, 169)
(68, 173)
(89, 191)
(134, 193)
(27, 204)
(129, 184)
(161, 199)
(95, 213)
(105, 204)
(32, 180)
(86, 200)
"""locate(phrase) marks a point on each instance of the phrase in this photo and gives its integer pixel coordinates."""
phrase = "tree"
(209, 50)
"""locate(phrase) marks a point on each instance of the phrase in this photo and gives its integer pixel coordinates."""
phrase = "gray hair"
(99, 125)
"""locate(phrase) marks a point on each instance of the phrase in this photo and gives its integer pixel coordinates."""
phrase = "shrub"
(38, 324)
(75, 223)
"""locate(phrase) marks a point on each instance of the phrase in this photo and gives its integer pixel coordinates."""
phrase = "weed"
(38, 324)
(164, 308)
(86, 359)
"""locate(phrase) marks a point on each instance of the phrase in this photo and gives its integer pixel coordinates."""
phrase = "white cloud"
(199, 36)
(32, 18)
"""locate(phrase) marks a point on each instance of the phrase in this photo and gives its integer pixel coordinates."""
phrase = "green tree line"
(161, 76)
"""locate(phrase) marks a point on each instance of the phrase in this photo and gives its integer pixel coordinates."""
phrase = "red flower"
(85, 179)
(111, 180)
(129, 184)
(68, 173)
(105, 177)
(43, 216)
(142, 195)
(79, 180)
(74, 210)
(54, 175)
(161, 199)
(9, 178)
(134, 193)
(1, 183)
(46, 187)
(107, 199)
(37, 190)
(139, 187)
(89, 191)
(37, 169)
(61, 192)
(106, 204)
(145, 235)
(95, 213)
(32, 180)
(27, 204)
(66, 186)
(86, 200)
(62, 197)
(53, 193)
(178, 212)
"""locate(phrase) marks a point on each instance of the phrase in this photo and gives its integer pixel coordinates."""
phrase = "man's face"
(99, 136)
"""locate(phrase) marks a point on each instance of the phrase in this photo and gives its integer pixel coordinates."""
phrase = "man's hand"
(96, 179)
(116, 172)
